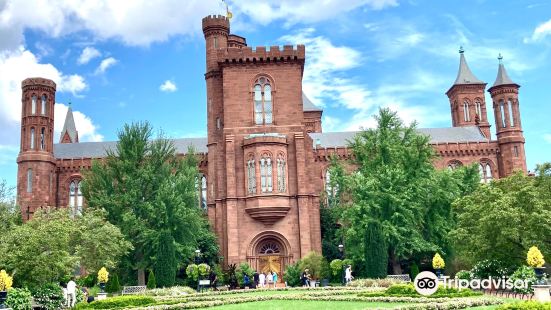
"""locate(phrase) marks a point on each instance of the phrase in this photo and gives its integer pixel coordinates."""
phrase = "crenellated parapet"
(216, 25)
(262, 54)
(36, 82)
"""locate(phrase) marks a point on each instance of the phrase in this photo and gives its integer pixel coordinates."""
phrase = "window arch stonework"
(75, 202)
(485, 171)
(263, 106)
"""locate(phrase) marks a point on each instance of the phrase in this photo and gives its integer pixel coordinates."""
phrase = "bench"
(401, 277)
(132, 290)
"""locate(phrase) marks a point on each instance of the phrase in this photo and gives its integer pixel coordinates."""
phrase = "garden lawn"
(306, 305)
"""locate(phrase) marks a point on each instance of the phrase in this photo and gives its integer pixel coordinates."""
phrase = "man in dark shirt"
(256, 278)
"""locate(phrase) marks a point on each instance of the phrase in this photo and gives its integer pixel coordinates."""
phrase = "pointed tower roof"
(502, 76)
(69, 127)
(465, 76)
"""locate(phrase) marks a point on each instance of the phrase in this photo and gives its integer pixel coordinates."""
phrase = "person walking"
(305, 278)
(246, 281)
(274, 275)
(213, 280)
(71, 293)
(348, 274)
(262, 279)
(256, 279)
(270, 279)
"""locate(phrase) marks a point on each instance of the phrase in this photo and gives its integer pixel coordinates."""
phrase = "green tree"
(376, 255)
(50, 246)
(166, 261)
(316, 264)
(9, 213)
(148, 190)
(151, 281)
(113, 286)
(503, 219)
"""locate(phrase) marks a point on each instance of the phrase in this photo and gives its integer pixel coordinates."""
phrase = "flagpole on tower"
(229, 14)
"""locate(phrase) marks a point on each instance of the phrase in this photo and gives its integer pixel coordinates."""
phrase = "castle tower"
(69, 134)
(36, 162)
(467, 103)
(504, 94)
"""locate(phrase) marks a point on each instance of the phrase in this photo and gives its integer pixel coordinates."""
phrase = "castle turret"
(467, 103)
(36, 163)
(510, 138)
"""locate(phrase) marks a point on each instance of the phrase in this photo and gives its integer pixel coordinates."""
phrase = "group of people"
(306, 278)
(261, 279)
(70, 293)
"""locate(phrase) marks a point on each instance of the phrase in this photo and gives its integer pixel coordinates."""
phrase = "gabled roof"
(307, 105)
(465, 75)
(69, 127)
(502, 76)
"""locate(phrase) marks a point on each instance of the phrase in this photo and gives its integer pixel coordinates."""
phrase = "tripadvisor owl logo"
(426, 283)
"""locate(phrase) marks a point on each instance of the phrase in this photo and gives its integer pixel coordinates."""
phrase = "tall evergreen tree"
(376, 255)
(151, 281)
(166, 261)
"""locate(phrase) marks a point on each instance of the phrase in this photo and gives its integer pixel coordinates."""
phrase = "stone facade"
(265, 159)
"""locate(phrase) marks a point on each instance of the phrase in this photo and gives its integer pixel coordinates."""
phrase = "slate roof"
(307, 105)
(98, 149)
(465, 75)
(437, 135)
(69, 126)
(502, 77)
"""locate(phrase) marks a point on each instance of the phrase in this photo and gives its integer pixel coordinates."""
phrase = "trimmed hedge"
(119, 302)
(407, 290)
(19, 299)
(526, 305)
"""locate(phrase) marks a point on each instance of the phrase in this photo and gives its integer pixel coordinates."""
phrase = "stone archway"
(269, 251)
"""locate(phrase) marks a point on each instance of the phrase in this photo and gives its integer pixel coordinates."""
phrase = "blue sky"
(123, 61)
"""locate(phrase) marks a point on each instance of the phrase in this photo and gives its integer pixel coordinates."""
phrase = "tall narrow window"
(281, 186)
(466, 114)
(75, 197)
(485, 172)
(32, 138)
(51, 182)
(331, 188)
(42, 140)
(29, 180)
(478, 108)
(263, 106)
(33, 105)
(515, 151)
(502, 113)
(251, 176)
(215, 42)
(43, 107)
(204, 192)
(511, 116)
(266, 174)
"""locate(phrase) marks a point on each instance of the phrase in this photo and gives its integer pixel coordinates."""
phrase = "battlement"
(216, 23)
(38, 81)
(260, 54)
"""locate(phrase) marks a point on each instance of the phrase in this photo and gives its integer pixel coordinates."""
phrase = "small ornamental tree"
(376, 253)
(336, 266)
(114, 285)
(534, 258)
(192, 271)
(103, 275)
(438, 262)
(165, 266)
(5, 280)
(414, 270)
(151, 282)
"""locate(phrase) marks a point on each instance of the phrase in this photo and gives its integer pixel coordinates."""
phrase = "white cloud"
(105, 64)
(541, 31)
(88, 53)
(87, 130)
(168, 86)
(547, 137)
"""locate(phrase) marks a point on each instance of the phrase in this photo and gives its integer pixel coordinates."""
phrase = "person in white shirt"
(348, 274)
(270, 278)
(71, 292)
(262, 279)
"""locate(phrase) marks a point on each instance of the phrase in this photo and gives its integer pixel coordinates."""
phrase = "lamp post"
(197, 262)
(341, 252)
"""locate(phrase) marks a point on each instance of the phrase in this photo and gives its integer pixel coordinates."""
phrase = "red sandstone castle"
(264, 162)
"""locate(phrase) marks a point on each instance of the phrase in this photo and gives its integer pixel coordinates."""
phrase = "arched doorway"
(269, 251)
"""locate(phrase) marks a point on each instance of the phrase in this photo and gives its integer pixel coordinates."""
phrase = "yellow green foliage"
(5, 280)
(438, 262)
(534, 258)
(103, 275)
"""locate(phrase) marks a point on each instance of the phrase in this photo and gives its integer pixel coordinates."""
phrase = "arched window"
(33, 105)
(454, 164)
(511, 116)
(75, 197)
(251, 176)
(269, 248)
(29, 180)
(466, 114)
(478, 108)
(281, 186)
(502, 113)
(43, 108)
(263, 101)
(331, 188)
(32, 138)
(204, 192)
(485, 171)
(42, 140)
(266, 173)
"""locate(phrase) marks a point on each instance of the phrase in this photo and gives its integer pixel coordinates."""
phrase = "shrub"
(374, 282)
(94, 290)
(524, 273)
(316, 264)
(413, 270)
(438, 262)
(119, 302)
(488, 268)
(192, 271)
(171, 291)
(292, 275)
(113, 286)
(87, 281)
(534, 258)
(204, 269)
(408, 290)
(50, 296)
(336, 266)
(151, 282)
(103, 275)
(19, 299)
(526, 305)
(5, 280)
(165, 265)
(244, 268)
(376, 251)
(401, 289)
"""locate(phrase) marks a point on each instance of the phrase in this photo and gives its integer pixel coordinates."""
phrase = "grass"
(306, 305)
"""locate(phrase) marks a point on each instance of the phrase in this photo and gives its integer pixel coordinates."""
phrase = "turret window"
(204, 192)
(251, 176)
(33, 105)
(75, 197)
(43, 108)
(32, 138)
(42, 140)
(263, 102)
(266, 173)
(502, 113)
(485, 172)
(466, 114)
(281, 186)
(511, 116)
(478, 108)
(29, 180)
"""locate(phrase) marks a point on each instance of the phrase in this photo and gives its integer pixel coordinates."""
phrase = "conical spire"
(502, 76)
(465, 76)
(69, 134)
